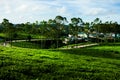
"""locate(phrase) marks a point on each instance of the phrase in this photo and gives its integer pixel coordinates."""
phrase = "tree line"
(57, 28)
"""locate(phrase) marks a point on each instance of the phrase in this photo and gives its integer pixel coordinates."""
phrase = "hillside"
(92, 63)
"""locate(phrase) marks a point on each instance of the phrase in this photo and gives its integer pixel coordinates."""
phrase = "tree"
(5, 25)
(42, 28)
(27, 28)
(115, 29)
(77, 23)
(34, 28)
(87, 28)
(96, 26)
(61, 20)
(75, 26)
(9, 30)
(60, 26)
(29, 38)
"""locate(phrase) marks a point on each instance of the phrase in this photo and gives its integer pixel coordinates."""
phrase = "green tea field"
(91, 63)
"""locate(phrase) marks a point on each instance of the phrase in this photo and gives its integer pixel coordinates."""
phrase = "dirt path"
(81, 46)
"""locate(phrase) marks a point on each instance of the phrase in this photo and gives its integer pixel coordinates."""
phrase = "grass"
(26, 44)
(109, 47)
(23, 35)
(34, 36)
(92, 63)
(2, 35)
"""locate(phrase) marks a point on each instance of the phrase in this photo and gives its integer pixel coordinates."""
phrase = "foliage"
(57, 28)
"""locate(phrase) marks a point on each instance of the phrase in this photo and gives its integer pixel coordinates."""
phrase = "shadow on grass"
(48, 44)
(112, 54)
(26, 45)
(92, 52)
(110, 44)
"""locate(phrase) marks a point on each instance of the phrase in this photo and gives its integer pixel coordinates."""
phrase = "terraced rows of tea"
(91, 63)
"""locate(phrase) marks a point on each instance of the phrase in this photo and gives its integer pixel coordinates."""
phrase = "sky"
(22, 11)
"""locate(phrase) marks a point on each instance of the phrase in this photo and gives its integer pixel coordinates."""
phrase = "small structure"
(80, 37)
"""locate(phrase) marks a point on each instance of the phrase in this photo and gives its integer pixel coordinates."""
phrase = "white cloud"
(36, 8)
(22, 8)
(61, 10)
(95, 11)
(8, 9)
(93, 7)
(30, 10)
(40, 8)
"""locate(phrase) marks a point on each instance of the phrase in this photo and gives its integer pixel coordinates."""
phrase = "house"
(82, 35)
(79, 38)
